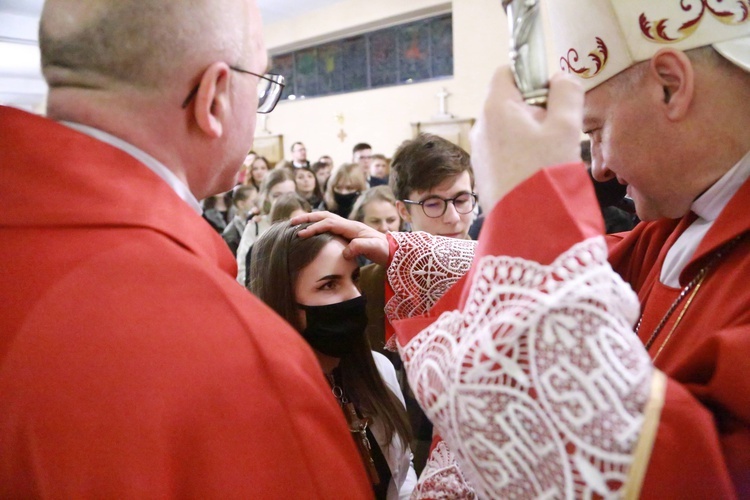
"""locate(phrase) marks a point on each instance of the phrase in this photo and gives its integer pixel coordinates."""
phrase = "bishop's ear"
(673, 71)
(212, 99)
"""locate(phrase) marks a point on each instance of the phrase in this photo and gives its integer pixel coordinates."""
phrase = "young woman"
(275, 183)
(243, 176)
(344, 186)
(307, 186)
(259, 168)
(376, 207)
(322, 169)
(310, 284)
(288, 205)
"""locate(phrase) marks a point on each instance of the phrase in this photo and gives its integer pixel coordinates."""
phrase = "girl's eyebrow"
(330, 277)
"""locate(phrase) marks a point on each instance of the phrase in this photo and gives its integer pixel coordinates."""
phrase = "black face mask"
(345, 202)
(335, 329)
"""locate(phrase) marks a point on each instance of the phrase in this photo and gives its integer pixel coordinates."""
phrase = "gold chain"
(694, 286)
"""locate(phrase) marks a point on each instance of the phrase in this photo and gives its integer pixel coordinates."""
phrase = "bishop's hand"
(363, 240)
(512, 140)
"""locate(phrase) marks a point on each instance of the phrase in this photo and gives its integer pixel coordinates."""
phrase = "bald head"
(100, 43)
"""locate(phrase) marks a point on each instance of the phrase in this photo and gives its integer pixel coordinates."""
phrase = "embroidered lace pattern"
(442, 478)
(538, 385)
(423, 268)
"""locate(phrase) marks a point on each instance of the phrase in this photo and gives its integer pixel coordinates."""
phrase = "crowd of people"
(543, 318)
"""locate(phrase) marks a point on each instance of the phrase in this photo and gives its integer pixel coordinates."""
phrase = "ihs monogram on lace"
(538, 386)
(423, 268)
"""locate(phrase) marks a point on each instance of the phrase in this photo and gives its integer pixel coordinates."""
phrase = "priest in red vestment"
(132, 365)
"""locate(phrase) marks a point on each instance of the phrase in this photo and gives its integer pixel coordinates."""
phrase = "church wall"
(382, 117)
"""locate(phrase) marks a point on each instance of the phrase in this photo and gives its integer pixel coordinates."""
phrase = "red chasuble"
(694, 434)
(132, 364)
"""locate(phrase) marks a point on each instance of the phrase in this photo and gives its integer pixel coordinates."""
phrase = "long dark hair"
(279, 255)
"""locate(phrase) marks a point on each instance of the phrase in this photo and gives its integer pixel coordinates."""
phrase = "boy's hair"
(360, 146)
(426, 162)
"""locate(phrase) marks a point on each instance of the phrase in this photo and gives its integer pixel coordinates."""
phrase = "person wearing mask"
(344, 187)
(310, 284)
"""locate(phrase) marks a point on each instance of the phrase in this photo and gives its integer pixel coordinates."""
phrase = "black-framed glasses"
(435, 206)
(270, 87)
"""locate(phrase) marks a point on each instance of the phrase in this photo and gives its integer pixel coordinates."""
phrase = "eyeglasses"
(435, 206)
(270, 87)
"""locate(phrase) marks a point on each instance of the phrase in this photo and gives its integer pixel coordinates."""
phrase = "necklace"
(358, 428)
(693, 286)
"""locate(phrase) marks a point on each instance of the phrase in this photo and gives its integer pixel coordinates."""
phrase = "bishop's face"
(629, 135)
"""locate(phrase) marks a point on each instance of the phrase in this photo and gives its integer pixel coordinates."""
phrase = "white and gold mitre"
(597, 39)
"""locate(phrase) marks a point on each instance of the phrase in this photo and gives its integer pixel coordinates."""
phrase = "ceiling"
(21, 82)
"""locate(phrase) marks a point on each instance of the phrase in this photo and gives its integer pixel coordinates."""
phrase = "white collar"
(152, 163)
(709, 205)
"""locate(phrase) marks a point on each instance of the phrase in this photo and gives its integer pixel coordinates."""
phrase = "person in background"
(244, 199)
(243, 175)
(132, 364)
(277, 182)
(283, 164)
(322, 171)
(433, 183)
(618, 210)
(376, 207)
(288, 205)
(362, 155)
(308, 187)
(310, 284)
(326, 159)
(258, 171)
(344, 186)
(379, 170)
(218, 210)
(299, 155)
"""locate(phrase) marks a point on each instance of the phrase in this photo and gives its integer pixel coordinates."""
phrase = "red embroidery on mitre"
(657, 31)
(598, 56)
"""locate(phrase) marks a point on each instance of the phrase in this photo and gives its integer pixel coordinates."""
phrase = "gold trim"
(645, 445)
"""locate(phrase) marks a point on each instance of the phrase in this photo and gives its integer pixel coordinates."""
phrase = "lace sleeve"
(442, 478)
(423, 268)
(538, 385)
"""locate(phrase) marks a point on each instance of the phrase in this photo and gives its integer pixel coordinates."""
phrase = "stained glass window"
(412, 52)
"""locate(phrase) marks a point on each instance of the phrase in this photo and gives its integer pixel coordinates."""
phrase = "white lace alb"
(538, 385)
(423, 268)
